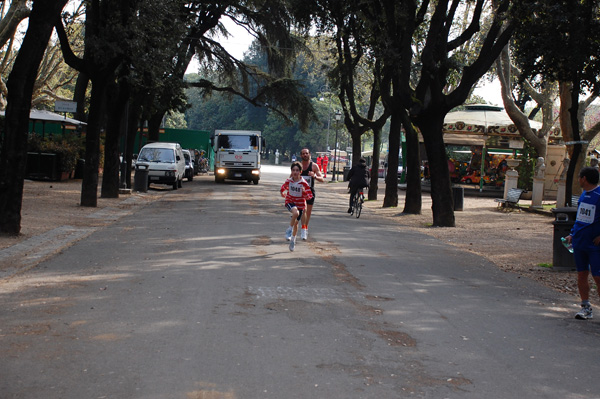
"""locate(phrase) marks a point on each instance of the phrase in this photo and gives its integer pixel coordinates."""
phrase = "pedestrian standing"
(298, 192)
(310, 173)
(585, 237)
(320, 163)
(325, 162)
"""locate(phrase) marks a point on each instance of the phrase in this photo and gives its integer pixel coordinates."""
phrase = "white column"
(512, 176)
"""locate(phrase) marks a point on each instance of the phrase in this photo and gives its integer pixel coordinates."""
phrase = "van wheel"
(179, 183)
(175, 185)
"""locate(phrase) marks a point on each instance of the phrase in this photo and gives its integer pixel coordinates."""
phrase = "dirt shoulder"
(516, 242)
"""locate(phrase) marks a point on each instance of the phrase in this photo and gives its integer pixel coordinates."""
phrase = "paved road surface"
(197, 296)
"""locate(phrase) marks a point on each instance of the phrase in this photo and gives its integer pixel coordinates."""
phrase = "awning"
(47, 116)
(480, 120)
(36, 115)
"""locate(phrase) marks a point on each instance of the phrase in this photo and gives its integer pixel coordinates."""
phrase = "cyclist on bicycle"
(358, 178)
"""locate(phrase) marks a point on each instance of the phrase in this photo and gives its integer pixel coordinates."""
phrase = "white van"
(165, 163)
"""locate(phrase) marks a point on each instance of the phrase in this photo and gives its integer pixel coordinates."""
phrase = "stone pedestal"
(512, 176)
(538, 193)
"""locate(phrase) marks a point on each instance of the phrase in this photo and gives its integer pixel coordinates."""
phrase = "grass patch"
(547, 265)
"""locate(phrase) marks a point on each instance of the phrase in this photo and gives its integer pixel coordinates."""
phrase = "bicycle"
(357, 202)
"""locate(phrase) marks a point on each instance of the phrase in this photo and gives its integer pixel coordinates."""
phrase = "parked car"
(475, 178)
(165, 163)
(189, 165)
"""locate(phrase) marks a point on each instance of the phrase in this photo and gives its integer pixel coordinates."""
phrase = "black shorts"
(300, 211)
(312, 200)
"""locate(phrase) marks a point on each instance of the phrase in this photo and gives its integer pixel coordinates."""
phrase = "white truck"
(237, 155)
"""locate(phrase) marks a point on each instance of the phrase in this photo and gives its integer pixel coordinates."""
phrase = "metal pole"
(483, 149)
(334, 178)
(328, 123)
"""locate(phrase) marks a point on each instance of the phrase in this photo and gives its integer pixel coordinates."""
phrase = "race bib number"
(295, 190)
(586, 213)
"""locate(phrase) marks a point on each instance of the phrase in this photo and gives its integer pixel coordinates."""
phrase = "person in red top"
(320, 163)
(298, 191)
(325, 162)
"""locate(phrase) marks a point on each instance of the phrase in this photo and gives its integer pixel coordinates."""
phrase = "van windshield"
(157, 155)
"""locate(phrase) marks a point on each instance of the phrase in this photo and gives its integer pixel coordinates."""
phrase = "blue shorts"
(587, 261)
(300, 211)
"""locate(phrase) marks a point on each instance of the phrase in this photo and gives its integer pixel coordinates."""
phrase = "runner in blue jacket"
(585, 237)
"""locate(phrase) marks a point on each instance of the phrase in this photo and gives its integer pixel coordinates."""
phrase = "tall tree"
(560, 40)
(420, 42)
(13, 151)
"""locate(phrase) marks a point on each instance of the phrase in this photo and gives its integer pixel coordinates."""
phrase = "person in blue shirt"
(585, 237)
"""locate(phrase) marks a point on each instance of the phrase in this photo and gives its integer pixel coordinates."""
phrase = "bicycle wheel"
(357, 204)
(353, 205)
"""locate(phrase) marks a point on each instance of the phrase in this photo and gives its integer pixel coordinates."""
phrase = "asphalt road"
(197, 296)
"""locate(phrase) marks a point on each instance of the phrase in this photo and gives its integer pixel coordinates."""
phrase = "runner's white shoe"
(292, 243)
(288, 233)
(304, 234)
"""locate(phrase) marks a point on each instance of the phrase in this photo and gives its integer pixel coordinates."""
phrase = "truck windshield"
(237, 142)
(157, 155)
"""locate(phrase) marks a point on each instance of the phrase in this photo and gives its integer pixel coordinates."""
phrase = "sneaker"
(304, 234)
(288, 233)
(350, 210)
(585, 313)
(292, 244)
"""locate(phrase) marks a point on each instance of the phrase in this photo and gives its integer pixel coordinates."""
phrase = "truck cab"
(237, 155)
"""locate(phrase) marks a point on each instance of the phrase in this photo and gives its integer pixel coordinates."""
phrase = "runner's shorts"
(587, 261)
(300, 211)
(312, 200)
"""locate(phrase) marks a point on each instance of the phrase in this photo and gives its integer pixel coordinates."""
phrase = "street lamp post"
(338, 116)
(325, 91)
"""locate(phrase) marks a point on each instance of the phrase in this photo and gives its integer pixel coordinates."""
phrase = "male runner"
(310, 173)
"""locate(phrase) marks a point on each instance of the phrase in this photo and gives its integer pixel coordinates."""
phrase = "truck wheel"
(219, 180)
(179, 183)
(191, 177)
(175, 185)
(255, 181)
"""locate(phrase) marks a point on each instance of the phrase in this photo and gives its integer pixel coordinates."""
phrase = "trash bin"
(346, 172)
(564, 219)
(140, 179)
(458, 194)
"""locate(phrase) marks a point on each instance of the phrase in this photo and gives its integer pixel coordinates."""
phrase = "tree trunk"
(114, 129)
(89, 185)
(577, 148)
(391, 178)
(441, 188)
(154, 126)
(504, 68)
(79, 96)
(13, 156)
(374, 185)
(133, 116)
(413, 201)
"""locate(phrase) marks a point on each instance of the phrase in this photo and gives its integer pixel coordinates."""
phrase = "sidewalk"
(51, 220)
